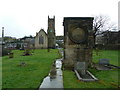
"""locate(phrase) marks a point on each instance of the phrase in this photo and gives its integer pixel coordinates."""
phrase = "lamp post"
(2, 35)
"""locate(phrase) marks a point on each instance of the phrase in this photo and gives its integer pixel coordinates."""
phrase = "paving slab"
(56, 82)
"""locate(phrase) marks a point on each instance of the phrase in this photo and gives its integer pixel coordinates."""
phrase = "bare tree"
(101, 23)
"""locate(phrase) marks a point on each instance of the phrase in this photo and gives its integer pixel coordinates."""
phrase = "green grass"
(0, 73)
(112, 55)
(31, 75)
(107, 79)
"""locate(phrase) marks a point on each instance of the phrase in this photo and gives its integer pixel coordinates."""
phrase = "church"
(45, 40)
(41, 40)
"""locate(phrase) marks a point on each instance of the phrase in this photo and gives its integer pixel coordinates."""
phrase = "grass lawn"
(112, 55)
(107, 79)
(31, 75)
(0, 73)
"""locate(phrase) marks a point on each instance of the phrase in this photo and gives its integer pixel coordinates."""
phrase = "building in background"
(108, 40)
(41, 40)
(108, 37)
(60, 41)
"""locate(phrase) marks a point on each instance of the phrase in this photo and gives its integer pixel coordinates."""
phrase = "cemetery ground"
(32, 74)
(0, 73)
(39, 64)
(107, 79)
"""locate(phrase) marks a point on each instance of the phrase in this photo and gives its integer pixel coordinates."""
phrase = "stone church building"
(46, 40)
(41, 40)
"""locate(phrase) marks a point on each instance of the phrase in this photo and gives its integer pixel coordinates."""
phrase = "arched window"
(41, 40)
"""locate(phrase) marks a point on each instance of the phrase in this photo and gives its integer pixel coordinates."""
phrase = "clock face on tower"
(77, 35)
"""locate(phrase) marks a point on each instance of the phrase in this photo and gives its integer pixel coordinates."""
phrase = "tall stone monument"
(78, 41)
(51, 32)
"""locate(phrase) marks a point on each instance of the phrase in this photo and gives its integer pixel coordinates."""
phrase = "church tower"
(51, 32)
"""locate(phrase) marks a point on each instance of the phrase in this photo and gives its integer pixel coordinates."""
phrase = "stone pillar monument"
(78, 41)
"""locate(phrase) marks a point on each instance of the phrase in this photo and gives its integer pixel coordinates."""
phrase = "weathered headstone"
(81, 67)
(104, 61)
(22, 64)
(53, 71)
(10, 55)
(27, 52)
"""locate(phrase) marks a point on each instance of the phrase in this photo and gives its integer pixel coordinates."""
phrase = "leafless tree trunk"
(101, 23)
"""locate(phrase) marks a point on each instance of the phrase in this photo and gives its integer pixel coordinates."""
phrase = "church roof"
(41, 30)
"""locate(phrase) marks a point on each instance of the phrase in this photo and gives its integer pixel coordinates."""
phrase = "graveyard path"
(56, 82)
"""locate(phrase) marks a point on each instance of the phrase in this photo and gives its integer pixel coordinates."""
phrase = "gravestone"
(10, 55)
(27, 52)
(81, 67)
(104, 61)
(53, 71)
(103, 64)
(78, 44)
(22, 64)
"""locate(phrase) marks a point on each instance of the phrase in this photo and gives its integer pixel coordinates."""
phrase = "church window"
(41, 40)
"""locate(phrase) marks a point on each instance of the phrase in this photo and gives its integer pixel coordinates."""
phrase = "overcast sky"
(26, 17)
